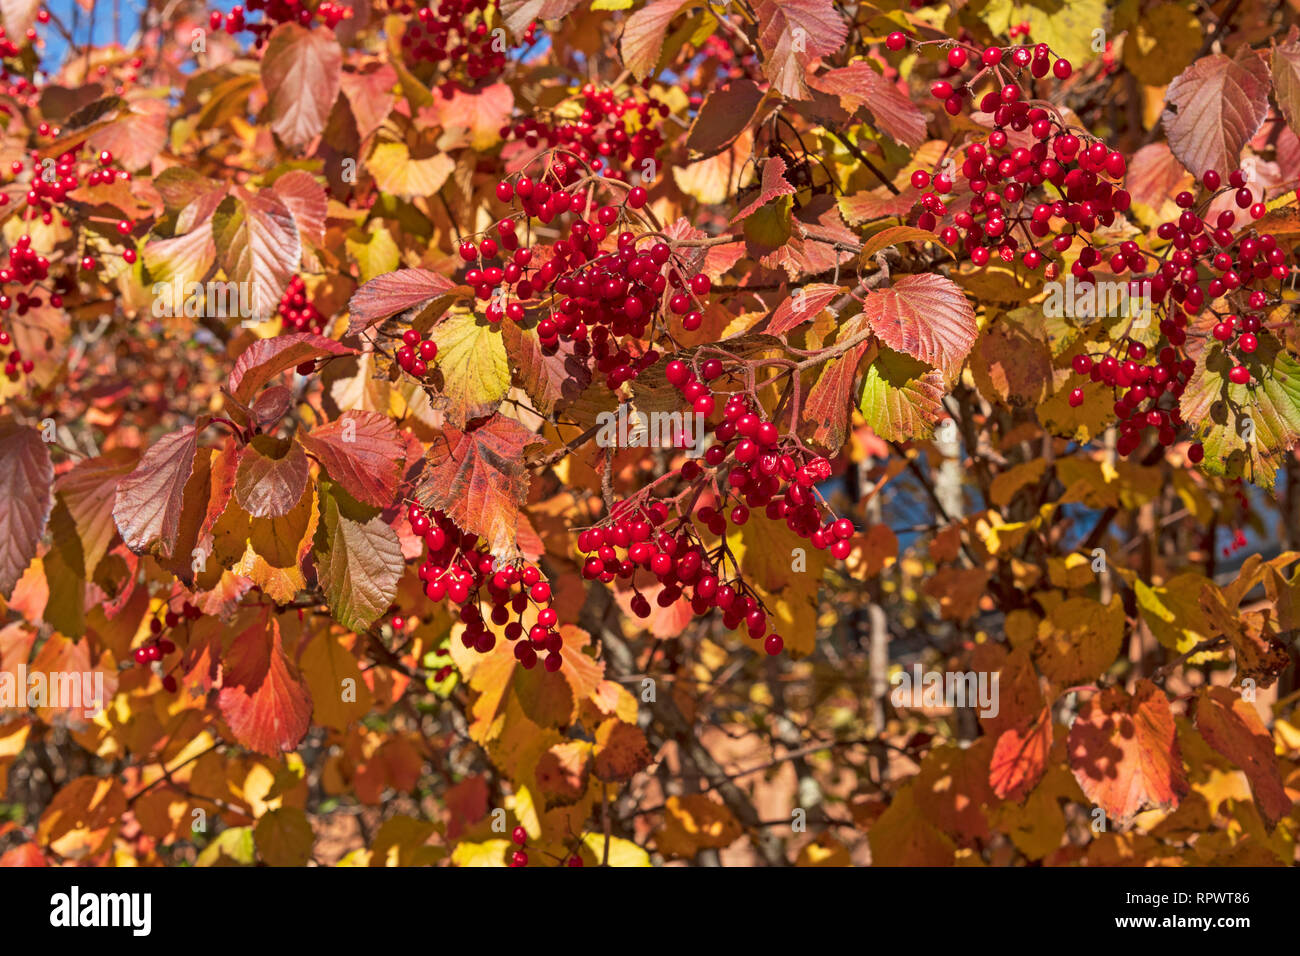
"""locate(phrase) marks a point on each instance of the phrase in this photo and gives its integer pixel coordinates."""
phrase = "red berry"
(773, 644)
(896, 41)
(520, 836)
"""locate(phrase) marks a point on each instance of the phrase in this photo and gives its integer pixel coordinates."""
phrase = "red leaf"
(549, 378)
(89, 491)
(394, 292)
(26, 479)
(370, 94)
(1154, 176)
(272, 476)
(793, 33)
(725, 114)
(806, 304)
(258, 243)
(1020, 758)
(363, 452)
(306, 201)
(301, 70)
(926, 316)
(858, 84)
(148, 501)
(1213, 108)
(479, 479)
(643, 37)
(772, 186)
(267, 358)
(1232, 727)
(262, 698)
(1124, 752)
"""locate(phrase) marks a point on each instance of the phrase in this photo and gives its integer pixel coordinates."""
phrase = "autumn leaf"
(267, 358)
(395, 292)
(1124, 752)
(1213, 108)
(147, 502)
(360, 564)
(479, 480)
(301, 71)
(26, 478)
(1232, 726)
(361, 451)
(262, 698)
(925, 316)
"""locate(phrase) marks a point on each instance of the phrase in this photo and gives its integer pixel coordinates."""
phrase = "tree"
(780, 432)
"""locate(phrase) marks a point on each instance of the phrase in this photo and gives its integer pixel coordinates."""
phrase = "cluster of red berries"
(1009, 174)
(605, 136)
(1139, 407)
(297, 311)
(756, 469)
(14, 361)
(454, 34)
(459, 568)
(157, 646)
(275, 12)
(416, 353)
(600, 296)
(1181, 288)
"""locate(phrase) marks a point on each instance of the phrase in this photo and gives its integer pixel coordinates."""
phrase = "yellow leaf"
(284, 837)
(621, 852)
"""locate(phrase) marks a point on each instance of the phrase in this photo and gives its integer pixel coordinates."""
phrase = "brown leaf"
(26, 479)
(859, 84)
(272, 476)
(301, 70)
(262, 698)
(723, 116)
(89, 491)
(267, 358)
(927, 316)
(479, 479)
(148, 501)
(394, 292)
(1232, 726)
(1213, 108)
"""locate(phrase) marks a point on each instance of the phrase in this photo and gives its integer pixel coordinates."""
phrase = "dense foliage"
(555, 432)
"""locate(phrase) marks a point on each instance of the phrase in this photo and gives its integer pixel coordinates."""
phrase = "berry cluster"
(1038, 190)
(157, 646)
(459, 568)
(755, 468)
(1202, 262)
(454, 35)
(600, 296)
(611, 133)
(297, 311)
(416, 353)
(275, 12)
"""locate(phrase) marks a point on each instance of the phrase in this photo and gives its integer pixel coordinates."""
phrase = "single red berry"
(1076, 397)
(896, 41)
(773, 644)
(520, 836)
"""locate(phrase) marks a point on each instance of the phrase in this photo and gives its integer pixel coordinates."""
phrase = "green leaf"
(901, 396)
(472, 365)
(1246, 429)
(359, 565)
